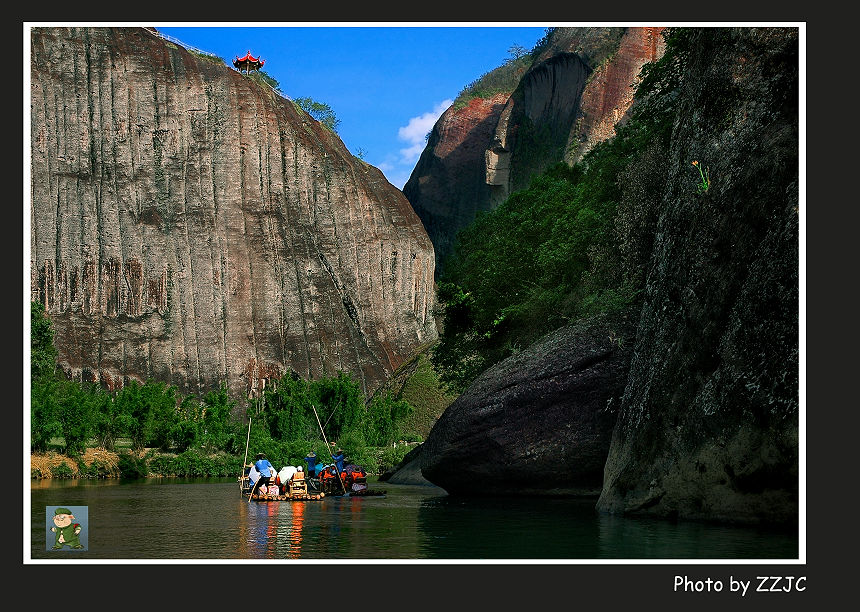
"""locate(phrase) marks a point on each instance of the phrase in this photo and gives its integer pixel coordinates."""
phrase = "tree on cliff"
(320, 111)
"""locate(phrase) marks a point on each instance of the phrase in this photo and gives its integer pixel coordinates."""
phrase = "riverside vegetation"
(147, 429)
(572, 244)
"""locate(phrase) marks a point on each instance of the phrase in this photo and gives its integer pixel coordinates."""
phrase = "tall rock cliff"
(578, 88)
(190, 225)
(448, 186)
(709, 423)
(701, 391)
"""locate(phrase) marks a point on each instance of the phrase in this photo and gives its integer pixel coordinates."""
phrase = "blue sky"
(387, 84)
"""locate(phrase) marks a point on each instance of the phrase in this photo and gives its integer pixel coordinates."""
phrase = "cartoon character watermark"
(67, 526)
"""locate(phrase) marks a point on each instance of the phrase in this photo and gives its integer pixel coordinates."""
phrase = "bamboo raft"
(296, 490)
(300, 497)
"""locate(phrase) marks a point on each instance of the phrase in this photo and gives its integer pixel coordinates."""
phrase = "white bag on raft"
(286, 473)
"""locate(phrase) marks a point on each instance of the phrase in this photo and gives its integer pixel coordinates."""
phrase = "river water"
(208, 519)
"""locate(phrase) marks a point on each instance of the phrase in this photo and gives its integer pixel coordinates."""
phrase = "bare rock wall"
(190, 225)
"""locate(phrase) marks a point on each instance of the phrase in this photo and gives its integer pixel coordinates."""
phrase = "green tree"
(517, 51)
(44, 410)
(340, 404)
(109, 423)
(320, 111)
(383, 415)
(134, 413)
(135, 403)
(75, 412)
(162, 422)
(186, 433)
(43, 353)
(217, 410)
(44, 421)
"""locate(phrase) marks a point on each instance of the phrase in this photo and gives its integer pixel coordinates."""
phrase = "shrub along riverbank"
(82, 430)
(98, 463)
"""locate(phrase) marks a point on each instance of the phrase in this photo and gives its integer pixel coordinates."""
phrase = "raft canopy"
(248, 62)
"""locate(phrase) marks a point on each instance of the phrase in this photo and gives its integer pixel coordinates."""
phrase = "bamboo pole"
(245, 461)
(342, 486)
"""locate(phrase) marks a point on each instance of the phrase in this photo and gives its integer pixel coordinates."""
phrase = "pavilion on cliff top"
(248, 62)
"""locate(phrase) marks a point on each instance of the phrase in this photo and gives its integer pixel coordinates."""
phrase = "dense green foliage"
(288, 418)
(320, 111)
(43, 354)
(207, 436)
(571, 244)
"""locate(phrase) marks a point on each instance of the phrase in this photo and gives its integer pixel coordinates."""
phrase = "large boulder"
(408, 471)
(539, 422)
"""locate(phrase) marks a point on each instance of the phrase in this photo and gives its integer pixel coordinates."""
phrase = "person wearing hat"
(68, 533)
(265, 469)
(311, 460)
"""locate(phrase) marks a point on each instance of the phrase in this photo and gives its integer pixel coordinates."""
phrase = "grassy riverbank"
(101, 463)
(98, 462)
(126, 463)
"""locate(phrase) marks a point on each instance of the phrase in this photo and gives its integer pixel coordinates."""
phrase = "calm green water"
(172, 519)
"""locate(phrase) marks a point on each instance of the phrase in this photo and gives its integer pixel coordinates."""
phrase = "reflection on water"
(645, 538)
(209, 519)
(509, 528)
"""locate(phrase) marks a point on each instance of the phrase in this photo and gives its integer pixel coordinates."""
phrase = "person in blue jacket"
(311, 460)
(338, 459)
(266, 470)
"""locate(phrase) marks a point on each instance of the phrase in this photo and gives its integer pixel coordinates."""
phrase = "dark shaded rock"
(539, 422)
(448, 185)
(539, 117)
(408, 471)
(708, 428)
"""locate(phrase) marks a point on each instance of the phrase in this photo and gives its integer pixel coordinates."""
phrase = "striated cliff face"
(608, 95)
(576, 92)
(190, 225)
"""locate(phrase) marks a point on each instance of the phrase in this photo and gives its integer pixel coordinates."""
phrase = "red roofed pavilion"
(248, 62)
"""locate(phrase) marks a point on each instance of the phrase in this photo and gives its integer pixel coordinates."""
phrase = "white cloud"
(398, 168)
(396, 174)
(411, 155)
(415, 131)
